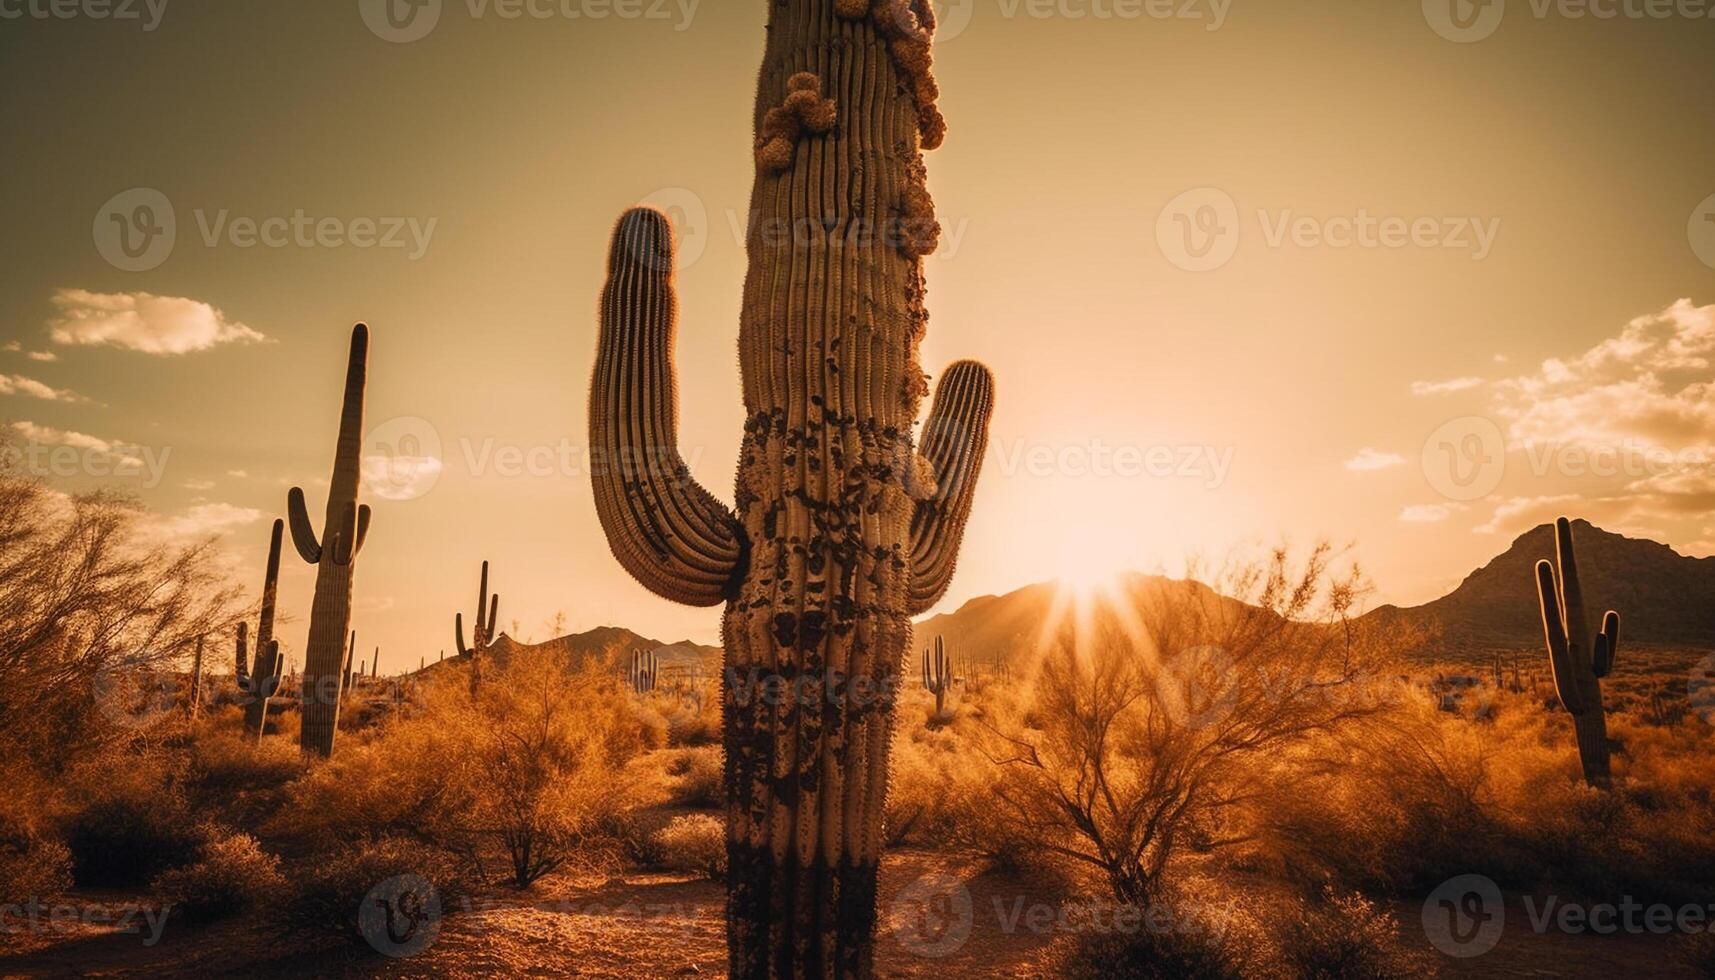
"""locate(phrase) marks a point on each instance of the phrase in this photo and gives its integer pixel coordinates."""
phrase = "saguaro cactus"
(937, 674)
(1579, 660)
(483, 633)
(375, 664)
(350, 655)
(645, 668)
(193, 706)
(335, 557)
(262, 679)
(843, 530)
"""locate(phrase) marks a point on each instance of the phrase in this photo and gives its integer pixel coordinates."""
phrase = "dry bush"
(33, 862)
(96, 614)
(1145, 739)
(698, 777)
(1343, 936)
(231, 876)
(694, 843)
(328, 894)
(128, 820)
(1186, 940)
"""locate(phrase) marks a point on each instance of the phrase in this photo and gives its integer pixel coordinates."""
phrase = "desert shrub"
(128, 820)
(1697, 952)
(229, 763)
(1343, 936)
(699, 777)
(231, 876)
(1191, 949)
(327, 897)
(694, 843)
(33, 867)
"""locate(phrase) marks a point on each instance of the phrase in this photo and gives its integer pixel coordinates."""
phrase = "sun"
(1090, 559)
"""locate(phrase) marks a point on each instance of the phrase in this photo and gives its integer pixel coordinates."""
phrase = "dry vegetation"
(1275, 783)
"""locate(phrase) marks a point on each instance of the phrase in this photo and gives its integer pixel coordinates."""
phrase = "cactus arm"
(954, 441)
(270, 588)
(672, 535)
(242, 670)
(1608, 644)
(458, 633)
(481, 606)
(1560, 651)
(303, 532)
(1571, 591)
(494, 617)
(362, 529)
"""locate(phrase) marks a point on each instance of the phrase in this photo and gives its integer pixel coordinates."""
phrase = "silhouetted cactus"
(261, 680)
(483, 634)
(645, 668)
(843, 531)
(375, 664)
(350, 655)
(937, 674)
(193, 705)
(335, 557)
(1579, 660)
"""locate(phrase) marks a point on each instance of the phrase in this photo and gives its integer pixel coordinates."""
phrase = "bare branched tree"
(1146, 732)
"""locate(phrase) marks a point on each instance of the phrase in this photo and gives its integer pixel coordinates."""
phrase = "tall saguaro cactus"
(843, 531)
(1579, 660)
(645, 668)
(262, 679)
(335, 556)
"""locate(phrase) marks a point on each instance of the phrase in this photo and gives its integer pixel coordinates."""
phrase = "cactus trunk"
(1579, 660)
(263, 678)
(335, 558)
(843, 531)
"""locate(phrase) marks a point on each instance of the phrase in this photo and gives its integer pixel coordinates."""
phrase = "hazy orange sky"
(1265, 270)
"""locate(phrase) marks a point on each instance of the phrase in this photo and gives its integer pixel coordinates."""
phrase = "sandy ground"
(942, 918)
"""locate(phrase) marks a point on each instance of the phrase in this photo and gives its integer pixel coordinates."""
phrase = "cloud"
(1421, 388)
(143, 322)
(1527, 512)
(1428, 513)
(203, 520)
(14, 347)
(198, 485)
(400, 477)
(47, 435)
(238, 474)
(1368, 460)
(17, 384)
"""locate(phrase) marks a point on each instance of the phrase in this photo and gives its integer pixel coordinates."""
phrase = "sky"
(1411, 278)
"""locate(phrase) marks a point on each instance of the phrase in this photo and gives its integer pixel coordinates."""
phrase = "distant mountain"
(1663, 597)
(1011, 625)
(617, 644)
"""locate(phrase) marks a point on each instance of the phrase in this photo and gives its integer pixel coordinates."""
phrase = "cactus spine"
(262, 679)
(843, 531)
(1579, 660)
(335, 556)
(937, 674)
(482, 636)
(645, 668)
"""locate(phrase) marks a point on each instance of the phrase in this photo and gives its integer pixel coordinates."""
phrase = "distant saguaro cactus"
(483, 633)
(937, 674)
(375, 664)
(843, 529)
(350, 655)
(645, 668)
(335, 557)
(1579, 660)
(261, 680)
(193, 706)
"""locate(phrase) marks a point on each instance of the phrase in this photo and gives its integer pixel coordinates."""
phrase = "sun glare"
(1090, 561)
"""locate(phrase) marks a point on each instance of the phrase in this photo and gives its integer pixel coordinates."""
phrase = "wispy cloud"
(50, 436)
(1368, 460)
(1428, 513)
(1421, 388)
(144, 322)
(17, 384)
